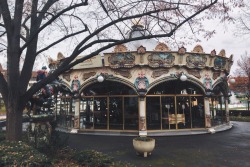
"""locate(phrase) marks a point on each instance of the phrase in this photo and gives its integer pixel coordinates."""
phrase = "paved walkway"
(230, 148)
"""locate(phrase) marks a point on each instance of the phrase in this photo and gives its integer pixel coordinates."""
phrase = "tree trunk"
(14, 121)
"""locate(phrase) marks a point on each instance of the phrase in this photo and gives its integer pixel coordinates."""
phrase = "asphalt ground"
(229, 148)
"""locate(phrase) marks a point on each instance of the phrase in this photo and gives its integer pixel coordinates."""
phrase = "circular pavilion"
(144, 88)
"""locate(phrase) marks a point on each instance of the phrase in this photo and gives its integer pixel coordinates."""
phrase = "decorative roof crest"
(198, 49)
(51, 61)
(120, 48)
(60, 56)
(137, 22)
(222, 53)
(182, 50)
(141, 50)
(161, 47)
(213, 52)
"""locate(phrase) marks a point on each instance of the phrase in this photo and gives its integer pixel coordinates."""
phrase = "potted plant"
(144, 145)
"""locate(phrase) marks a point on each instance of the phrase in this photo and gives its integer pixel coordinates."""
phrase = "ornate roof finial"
(213, 52)
(137, 23)
(161, 47)
(222, 53)
(60, 56)
(198, 49)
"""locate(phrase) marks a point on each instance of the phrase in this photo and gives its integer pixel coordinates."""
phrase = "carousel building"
(144, 88)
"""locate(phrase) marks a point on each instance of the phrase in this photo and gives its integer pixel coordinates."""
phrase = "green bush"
(53, 153)
(21, 154)
(2, 135)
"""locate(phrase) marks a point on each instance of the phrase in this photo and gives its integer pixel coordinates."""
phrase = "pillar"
(227, 109)
(207, 113)
(142, 117)
(76, 116)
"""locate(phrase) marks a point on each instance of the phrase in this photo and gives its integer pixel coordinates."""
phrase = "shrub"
(2, 135)
(143, 138)
(92, 158)
(21, 154)
(240, 118)
(95, 158)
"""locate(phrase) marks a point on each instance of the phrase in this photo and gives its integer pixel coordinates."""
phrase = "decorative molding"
(66, 76)
(123, 72)
(88, 75)
(194, 72)
(159, 72)
(216, 75)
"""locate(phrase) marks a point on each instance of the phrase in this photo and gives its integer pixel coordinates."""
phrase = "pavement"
(230, 148)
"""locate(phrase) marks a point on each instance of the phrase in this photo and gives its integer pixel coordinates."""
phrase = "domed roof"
(138, 31)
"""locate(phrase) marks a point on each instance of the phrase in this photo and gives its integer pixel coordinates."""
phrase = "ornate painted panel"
(196, 61)
(219, 63)
(141, 82)
(119, 60)
(161, 60)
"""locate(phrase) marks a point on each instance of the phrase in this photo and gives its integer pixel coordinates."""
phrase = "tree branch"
(51, 20)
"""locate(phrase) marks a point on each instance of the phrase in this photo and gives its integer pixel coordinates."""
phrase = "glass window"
(153, 113)
(115, 113)
(131, 113)
(100, 112)
(168, 112)
(87, 113)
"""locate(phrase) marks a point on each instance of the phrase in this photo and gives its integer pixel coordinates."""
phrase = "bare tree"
(30, 27)
(244, 68)
(243, 21)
